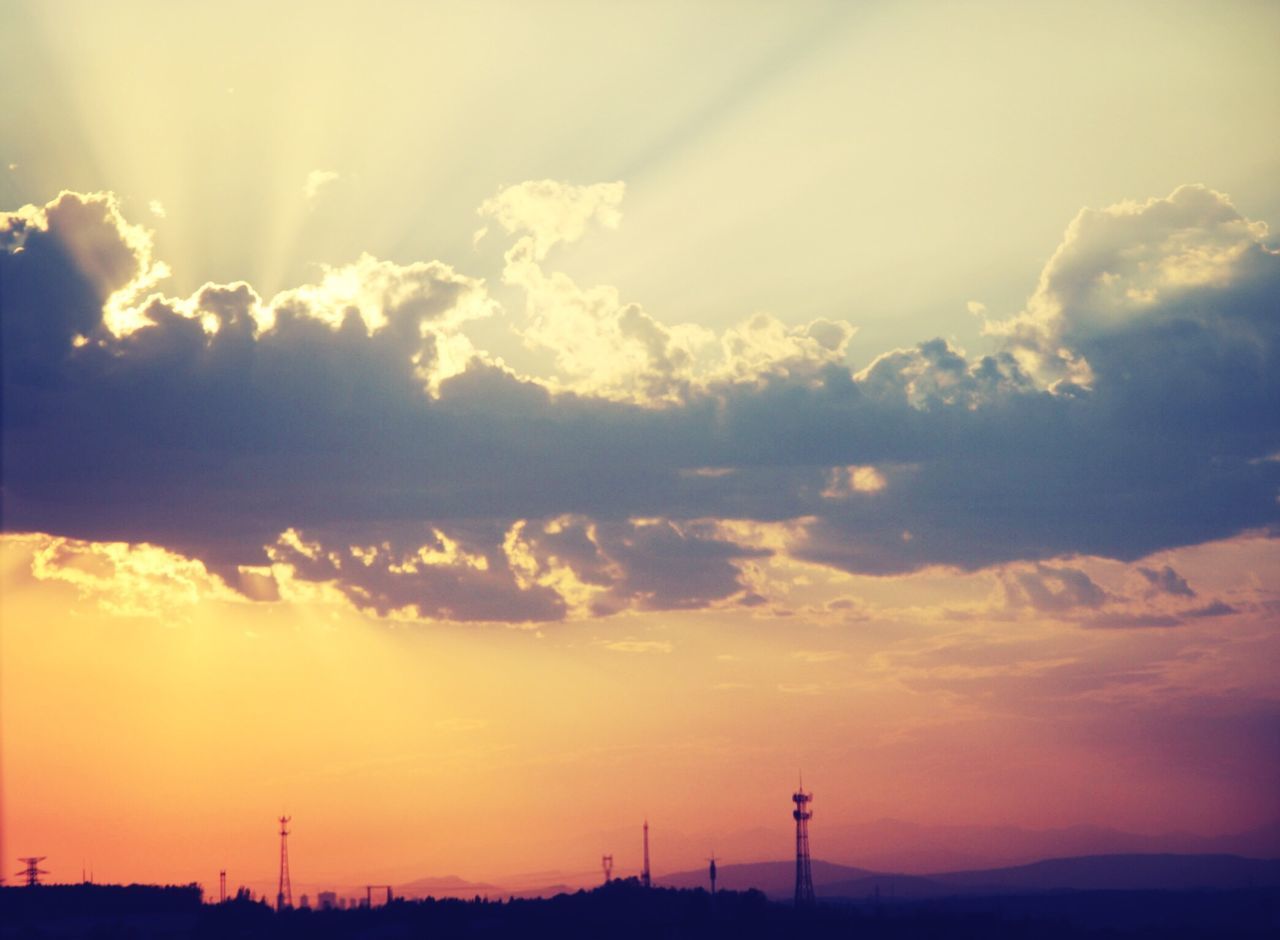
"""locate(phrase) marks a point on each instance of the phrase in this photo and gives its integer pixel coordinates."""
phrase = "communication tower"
(606, 862)
(284, 894)
(712, 872)
(222, 886)
(804, 875)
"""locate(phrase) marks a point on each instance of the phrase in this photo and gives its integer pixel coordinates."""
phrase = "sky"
(474, 429)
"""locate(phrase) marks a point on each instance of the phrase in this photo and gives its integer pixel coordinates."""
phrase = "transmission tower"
(804, 875)
(644, 875)
(712, 872)
(222, 886)
(284, 895)
(33, 871)
(606, 862)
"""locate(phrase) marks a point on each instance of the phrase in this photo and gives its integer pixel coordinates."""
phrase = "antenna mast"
(284, 894)
(644, 875)
(804, 876)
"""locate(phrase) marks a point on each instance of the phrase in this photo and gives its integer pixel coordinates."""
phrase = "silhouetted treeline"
(625, 910)
(85, 899)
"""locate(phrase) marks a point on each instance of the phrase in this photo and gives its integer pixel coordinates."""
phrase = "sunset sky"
(473, 428)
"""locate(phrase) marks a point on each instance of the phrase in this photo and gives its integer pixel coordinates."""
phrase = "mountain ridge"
(1120, 871)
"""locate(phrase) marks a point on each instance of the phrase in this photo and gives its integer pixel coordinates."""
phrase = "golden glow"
(155, 723)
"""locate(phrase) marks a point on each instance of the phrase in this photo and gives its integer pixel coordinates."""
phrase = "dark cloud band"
(1134, 407)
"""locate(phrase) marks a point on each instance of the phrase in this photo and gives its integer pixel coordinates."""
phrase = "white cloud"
(1128, 264)
(550, 212)
(316, 181)
(844, 482)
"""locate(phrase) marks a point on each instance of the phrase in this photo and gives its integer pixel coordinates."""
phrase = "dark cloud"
(1121, 621)
(1135, 407)
(1212, 609)
(1167, 581)
(1053, 590)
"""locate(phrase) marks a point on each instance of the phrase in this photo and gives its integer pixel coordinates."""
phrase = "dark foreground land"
(625, 910)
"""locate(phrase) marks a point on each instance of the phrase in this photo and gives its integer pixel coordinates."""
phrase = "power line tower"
(33, 871)
(712, 872)
(284, 894)
(644, 875)
(222, 886)
(606, 862)
(804, 875)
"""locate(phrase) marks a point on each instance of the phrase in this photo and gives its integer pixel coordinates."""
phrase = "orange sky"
(157, 730)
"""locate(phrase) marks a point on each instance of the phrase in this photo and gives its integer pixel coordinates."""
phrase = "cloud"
(129, 580)
(818, 656)
(844, 482)
(1167, 581)
(1212, 609)
(316, 181)
(606, 347)
(1121, 621)
(639, 646)
(1129, 409)
(549, 212)
(1053, 590)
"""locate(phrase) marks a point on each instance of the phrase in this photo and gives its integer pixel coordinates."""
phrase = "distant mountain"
(1097, 872)
(1125, 872)
(448, 886)
(894, 845)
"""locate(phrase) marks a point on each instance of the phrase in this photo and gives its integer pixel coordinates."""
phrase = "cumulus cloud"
(607, 347)
(350, 432)
(548, 212)
(129, 580)
(1173, 269)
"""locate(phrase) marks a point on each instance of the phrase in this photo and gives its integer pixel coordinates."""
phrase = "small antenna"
(644, 875)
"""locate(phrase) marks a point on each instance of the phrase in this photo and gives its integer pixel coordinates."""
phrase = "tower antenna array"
(804, 874)
(284, 894)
